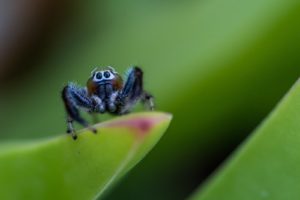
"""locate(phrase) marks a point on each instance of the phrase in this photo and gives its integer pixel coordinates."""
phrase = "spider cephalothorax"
(105, 92)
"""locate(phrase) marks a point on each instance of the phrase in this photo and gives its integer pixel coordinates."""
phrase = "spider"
(104, 92)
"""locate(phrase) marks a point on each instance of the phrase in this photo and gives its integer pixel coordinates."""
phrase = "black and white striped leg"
(75, 98)
(133, 87)
(133, 91)
(148, 101)
(70, 128)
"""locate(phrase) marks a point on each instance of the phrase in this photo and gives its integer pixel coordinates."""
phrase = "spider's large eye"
(106, 74)
(99, 75)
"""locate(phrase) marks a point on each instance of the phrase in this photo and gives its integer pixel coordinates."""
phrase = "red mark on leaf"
(140, 125)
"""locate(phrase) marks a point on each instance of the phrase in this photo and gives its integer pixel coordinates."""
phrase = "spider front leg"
(75, 98)
(133, 91)
(98, 107)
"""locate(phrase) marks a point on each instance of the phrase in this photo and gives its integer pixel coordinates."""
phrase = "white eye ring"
(99, 76)
(110, 77)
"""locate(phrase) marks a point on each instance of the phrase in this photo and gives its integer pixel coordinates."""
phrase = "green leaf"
(210, 60)
(267, 165)
(233, 85)
(61, 168)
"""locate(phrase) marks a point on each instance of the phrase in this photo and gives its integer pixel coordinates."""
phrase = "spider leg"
(148, 101)
(70, 128)
(75, 98)
(133, 91)
(133, 87)
(98, 107)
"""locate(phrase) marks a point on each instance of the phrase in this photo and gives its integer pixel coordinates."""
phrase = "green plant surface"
(226, 96)
(218, 62)
(61, 168)
(267, 165)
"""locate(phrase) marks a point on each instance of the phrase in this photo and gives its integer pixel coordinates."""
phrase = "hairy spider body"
(105, 92)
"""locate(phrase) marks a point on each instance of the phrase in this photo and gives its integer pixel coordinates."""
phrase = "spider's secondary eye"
(99, 75)
(106, 74)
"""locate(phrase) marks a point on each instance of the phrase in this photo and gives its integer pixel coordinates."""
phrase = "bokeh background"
(218, 66)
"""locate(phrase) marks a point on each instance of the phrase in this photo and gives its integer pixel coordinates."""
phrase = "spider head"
(103, 77)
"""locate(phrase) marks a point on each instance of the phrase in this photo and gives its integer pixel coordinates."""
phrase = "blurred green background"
(218, 66)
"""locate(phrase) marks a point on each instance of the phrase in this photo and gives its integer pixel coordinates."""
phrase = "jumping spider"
(104, 92)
